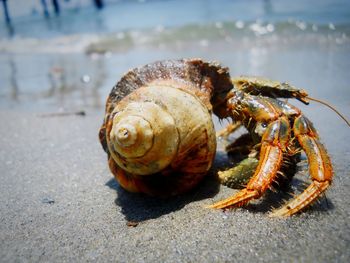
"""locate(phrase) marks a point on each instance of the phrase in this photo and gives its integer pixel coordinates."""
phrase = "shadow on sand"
(140, 207)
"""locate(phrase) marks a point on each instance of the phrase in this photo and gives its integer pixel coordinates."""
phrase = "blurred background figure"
(6, 11)
(55, 5)
(46, 11)
(98, 3)
(7, 17)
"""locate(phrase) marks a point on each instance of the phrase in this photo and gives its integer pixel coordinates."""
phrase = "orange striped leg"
(320, 168)
(273, 144)
(230, 128)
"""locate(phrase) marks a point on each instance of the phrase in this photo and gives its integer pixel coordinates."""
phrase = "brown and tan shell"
(158, 131)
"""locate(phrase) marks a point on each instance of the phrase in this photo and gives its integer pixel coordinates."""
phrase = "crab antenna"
(331, 107)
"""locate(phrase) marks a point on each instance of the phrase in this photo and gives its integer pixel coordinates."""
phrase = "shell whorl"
(157, 126)
(158, 131)
(131, 132)
(144, 137)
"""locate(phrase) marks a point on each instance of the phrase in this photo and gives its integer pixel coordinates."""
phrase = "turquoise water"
(70, 62)
(127, 15)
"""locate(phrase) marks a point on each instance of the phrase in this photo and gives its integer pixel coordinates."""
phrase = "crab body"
(282, 129)
(160, 140)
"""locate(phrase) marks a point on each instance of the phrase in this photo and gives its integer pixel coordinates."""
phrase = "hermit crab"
(160, 140)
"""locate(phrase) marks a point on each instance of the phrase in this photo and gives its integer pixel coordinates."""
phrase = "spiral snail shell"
(158, 130)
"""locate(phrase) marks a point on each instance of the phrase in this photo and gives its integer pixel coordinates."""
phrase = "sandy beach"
(59, 201)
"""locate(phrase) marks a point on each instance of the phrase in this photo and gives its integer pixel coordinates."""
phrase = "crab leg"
(320, 167)
(230, 128)
(269, 88)
(274, 142)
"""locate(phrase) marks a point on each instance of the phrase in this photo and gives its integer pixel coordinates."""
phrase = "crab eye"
(261, 128)
(280, 103)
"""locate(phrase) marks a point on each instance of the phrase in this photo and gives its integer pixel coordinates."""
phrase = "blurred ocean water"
(78, 17)
(71, 61)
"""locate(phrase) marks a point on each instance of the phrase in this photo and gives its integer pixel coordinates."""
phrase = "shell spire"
(158, 130)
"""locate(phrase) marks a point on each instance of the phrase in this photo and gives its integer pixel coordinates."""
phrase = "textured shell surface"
(158, 130)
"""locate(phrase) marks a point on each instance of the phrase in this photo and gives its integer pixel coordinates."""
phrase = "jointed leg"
(273, 145)
(320, 167)
(230, 128)
(269, 88)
